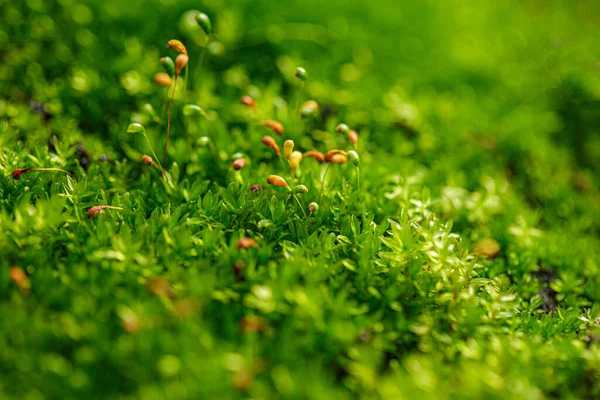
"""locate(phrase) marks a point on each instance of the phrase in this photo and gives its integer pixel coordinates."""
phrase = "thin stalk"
(93, 211)
(153, 153)
(114, 208)
(294, 179)
(47, 169)
(300, 204)
(297, 108)
(299, 99)
(169, 123)
(295, 225)
(157, 166)
(237, 175)
(362, 208)
(165, 102)
(201, 60)
(323, 182)
(187, 75)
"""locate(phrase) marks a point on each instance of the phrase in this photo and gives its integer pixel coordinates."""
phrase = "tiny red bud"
(160, 288)
(17, 173)
(239, 164)
(246, 242)
(256, 188)
(238, 270)
(365, 335)
(243, 379)
(248, 101)
(146, 159)
(252, 323)
(93, 211)
(185, 308)
(131, 323)
(18, 276)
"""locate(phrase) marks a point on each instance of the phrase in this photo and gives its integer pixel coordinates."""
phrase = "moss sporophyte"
(93, 211)
(17, 173)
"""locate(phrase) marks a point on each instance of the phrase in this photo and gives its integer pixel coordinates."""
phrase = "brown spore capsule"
(238, 164)
(246, 242)
(275, 126)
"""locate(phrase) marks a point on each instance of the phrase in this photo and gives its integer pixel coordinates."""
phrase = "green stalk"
(300, 204)
(281, 160)
(201, 60)
(323, 182)
(164, 105)
(153, 153)
(297, 108)
(169, 123)
(299, 99)
(362, 209)
(187, 74)
(51, 169)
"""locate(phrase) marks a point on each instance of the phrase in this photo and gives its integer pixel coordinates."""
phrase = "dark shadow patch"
(579, 111)
(547, 294)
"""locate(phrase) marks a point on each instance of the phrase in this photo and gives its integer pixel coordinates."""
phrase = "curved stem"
(169, 123)
(114, 208)
(200, 60)
(153, 153)
(158, 167)
(48, 169)
(300, 204)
